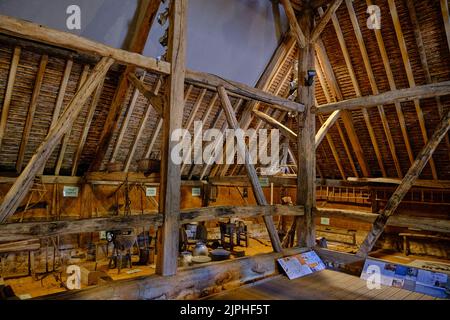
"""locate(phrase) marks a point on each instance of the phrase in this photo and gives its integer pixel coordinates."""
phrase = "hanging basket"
(149, 166)
(114, 167)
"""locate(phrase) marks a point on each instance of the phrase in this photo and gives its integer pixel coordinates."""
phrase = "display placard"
(301, 265)
(70, 191)
(264, 181)
(196, 192)
(432, 283)
(150, 192)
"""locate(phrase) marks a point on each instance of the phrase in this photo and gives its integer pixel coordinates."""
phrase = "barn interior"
(359, 92)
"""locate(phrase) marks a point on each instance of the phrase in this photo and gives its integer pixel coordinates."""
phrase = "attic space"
(224, 150)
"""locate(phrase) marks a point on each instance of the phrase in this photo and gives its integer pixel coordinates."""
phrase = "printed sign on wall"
(70, 191)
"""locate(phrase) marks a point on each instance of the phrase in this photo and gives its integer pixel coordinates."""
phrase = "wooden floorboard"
(322, 285)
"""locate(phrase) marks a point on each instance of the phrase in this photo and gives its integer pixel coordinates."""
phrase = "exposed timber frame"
(400, 95)
(251, 172)
(169, 199)
(24, 182)
(149, 9)
(408, 181)
(306, 161)
(33, 230)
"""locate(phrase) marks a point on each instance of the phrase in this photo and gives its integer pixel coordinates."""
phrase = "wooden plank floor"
(323, 285)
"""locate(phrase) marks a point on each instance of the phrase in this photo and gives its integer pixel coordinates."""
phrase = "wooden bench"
(418, 236)
(349, 233)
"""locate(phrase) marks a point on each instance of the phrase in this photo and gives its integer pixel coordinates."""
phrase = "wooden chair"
(227, 232)
(241, 233)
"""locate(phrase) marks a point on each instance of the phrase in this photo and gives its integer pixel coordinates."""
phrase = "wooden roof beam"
(87, 125)
(392, 85)
(390, 97)
(251, 172)
(410, 76)
(65, 140)
(36, 32)
(326, 126)
(8, 92)
(408, 181)
(346, 115)
(157, 101)
(141, 128)
(31, 112)
(148, 11)
(320, 26)
(24, 182)
(293, 23)
(211, 81)
(423, 60)
(273, 122)
(373, 84)
(357, 89)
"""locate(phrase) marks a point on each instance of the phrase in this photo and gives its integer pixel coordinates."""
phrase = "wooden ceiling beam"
(329, 98)
(24, 182)
(357, 89)
(148, 12)
(274, 123)
(157, 101)
(293, 23)
(401, 95)
(392, 85)
(446, 17)
(424, 61)
(331, 120)
(410, 76)
(87, 126)
(9, 90)
(36, 32)
(31, 111)
(374, 87)
(126, 120)
(35, 230)
(408, 181)
(211, 81)
(251, 172)
(65, 139)
(346, 115)
(141, 128)
(320, 26)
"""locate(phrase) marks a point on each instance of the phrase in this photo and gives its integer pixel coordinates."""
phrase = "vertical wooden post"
(173, 115)
(306, 138)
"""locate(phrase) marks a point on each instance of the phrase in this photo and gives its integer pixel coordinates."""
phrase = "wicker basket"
(149, 166)
(114, 167)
